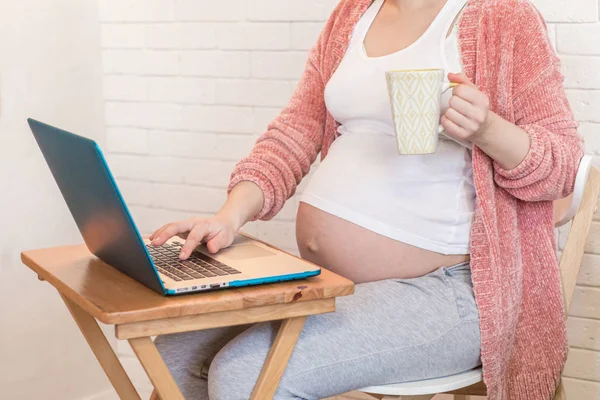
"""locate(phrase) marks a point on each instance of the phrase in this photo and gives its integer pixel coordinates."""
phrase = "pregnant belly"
(360, 254)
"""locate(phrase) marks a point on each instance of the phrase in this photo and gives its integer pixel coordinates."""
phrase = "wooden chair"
(579, 208)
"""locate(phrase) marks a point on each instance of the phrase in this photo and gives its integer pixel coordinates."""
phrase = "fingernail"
(182, 255)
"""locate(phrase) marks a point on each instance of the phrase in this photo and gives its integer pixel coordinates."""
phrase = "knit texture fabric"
(506, 52)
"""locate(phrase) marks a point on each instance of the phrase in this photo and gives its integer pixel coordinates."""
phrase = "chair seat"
(429, 386)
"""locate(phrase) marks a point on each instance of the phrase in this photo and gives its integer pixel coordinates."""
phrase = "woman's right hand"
(245, 201)
(217, 232)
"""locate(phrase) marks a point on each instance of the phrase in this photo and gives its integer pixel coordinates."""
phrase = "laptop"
(92, 195)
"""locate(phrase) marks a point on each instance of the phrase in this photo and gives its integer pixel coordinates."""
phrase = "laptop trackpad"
(245, 252)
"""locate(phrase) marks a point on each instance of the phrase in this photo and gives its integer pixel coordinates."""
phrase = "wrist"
(243, 203)
(231, 218)
(488, 132)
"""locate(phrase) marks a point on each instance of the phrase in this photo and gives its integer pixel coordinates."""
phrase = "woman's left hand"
(468, 115)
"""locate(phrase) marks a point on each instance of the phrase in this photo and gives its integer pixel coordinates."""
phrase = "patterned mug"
(415, 97)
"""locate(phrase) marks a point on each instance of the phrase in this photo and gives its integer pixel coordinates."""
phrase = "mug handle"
(447, 86)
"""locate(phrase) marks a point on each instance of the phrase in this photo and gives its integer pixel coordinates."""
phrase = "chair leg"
(560, 393)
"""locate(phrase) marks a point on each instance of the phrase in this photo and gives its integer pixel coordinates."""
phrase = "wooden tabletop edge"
(340, 287)
(65, 290)
(123, 317)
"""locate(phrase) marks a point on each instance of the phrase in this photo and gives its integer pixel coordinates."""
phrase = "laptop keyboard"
(197, 266)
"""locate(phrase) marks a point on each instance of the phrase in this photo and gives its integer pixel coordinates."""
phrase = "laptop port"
(215, 285)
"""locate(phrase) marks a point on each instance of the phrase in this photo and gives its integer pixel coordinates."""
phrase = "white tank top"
(426, 201)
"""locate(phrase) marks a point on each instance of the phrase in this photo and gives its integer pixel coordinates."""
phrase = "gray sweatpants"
(389, 331)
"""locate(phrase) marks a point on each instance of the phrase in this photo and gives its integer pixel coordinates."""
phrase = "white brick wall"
(189, 84)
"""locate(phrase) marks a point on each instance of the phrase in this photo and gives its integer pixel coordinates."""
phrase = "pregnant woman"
(453, 253)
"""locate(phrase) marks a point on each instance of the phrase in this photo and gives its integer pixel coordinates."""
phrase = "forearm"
(244, 202)
(504, 142)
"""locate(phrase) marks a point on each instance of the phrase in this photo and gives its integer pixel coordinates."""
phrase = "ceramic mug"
(415, 96)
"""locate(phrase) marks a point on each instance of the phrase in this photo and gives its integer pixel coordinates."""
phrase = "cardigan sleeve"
(541, 109)
(283, 155)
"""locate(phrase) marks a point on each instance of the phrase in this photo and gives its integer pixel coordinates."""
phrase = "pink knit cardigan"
(506, 53)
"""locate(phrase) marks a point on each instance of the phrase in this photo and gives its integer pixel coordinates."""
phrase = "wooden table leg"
(104, 353)
(278, 358)
(154, 395)
(155, 367)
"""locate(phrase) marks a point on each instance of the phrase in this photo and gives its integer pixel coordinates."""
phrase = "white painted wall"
(50, 68)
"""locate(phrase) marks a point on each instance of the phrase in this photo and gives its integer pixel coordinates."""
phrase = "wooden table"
(93, 290)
